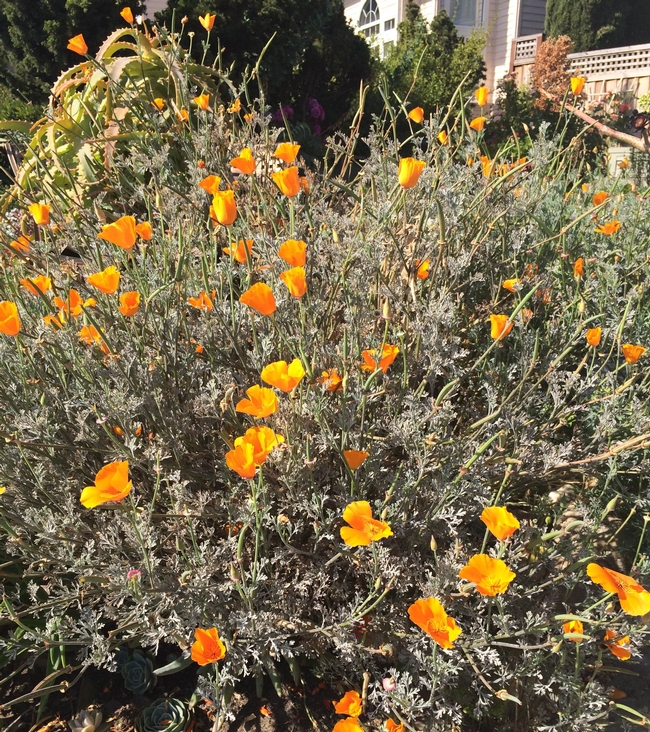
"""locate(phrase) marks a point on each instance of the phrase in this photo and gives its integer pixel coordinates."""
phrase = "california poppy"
(499, 521)
(207, 21)
(573, 626)
(294, 252)
(430, 616)
(409, 171)
(21, 244)
(577, 84)
(121, 232)
(482, 96)
(52, 321)
(623, 164)
(599, 198)
(500, 326)
(235, 107)
(478, 124)
(617, 643)
(202, 102)
(182, 115)
(350, 704)
(331, 379)
(202, 302)
(263, 441)
(287, 152)
(363, 528)
(422, 271)
(129, 303)
(91, 336)
(40, 213)
(207, 647)
(355, 458)
(9, 321)
(241, 460)
(74, 303)
(224, 208)
(593, 336)
(579, 267)
(244, 162)
(78, 45)
(210, 184)
(443, 137)
(512, 285)
(417, 115)
(261, 402)
(491, 576)
(37, 284)
(611, 227)
(287, 181)
(106, 281)
(111, 484)
(238, 251)
(635, 600)
(144, 231)
(631, 352)
(392, 726)
(127, 14)
(159, 103)
(388, 355)
(282, 375)
(295, 280)
(350, 724)
(259, 297)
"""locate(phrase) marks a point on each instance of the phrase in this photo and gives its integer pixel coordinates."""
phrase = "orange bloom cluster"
(617, 644)
(409, 171)
(282, 375)
(632, 353)
(288, 181)
(351, 704)
(9, 321)
(112, 484)
(572, 628)
(499, 521)
(124, 232)
(500, 326)
(430, 616)
(244, 162)
(609, 228)
(252, 450)
(287, 152)
(332, 380)
(207, 647)
(593, 336)
(73, 304)
(417, 115)
(261, 402)
(129, 303)
(355, 458)
(238, 251)
(35, 285)
(202, 302)
(106, 281)
(224, 208)
(363, 529)
(40, 213)
(259, 297)
(491, 576)
(388, 355)
(634, 599)
(91, 336)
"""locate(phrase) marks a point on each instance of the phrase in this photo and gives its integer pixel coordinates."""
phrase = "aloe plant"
(164, 715)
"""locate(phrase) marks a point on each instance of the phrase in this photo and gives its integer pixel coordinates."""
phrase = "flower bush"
(453, 463)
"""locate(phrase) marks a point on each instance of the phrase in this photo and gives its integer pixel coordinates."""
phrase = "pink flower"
(388, 683)
(133, 575)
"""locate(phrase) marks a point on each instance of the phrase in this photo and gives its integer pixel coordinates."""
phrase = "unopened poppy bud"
(384, 513)
(377, 583)
(385, 311)
(433, 544)
(556, 648)
(611, 608)
(235, 576)
(184, 20)
(335, 236)
(387, 649)
(581, 306)
(389, 684)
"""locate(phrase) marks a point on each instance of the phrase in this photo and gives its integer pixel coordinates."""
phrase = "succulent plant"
(164, 715)
(86, 721)
(138, 673)
(122, 657)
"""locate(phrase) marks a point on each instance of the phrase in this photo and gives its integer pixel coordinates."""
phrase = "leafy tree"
(594, 24)
(34, 36)
(314, 55)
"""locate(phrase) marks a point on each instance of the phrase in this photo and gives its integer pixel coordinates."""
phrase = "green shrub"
(538, 420)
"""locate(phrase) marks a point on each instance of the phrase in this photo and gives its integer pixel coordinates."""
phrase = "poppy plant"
(9, 321)
(363, 528)
(593, 336)
(577, 84)
(244, 162)
(143, 230)
(417, 115)
(261, 402)
(287, 181)
(491, 576)
(210, 184)
(224, 208)
(182, 115)
(207, 21)
(332, 380)
(202, 302)
(599, 198)
(106, 281)
(350, 704)
(207, 647)
(512, 285)
(21, 244)
(351, 724)
(430, 616)
(202, 102)
(159, 103)
(443, 137)
(122, 232)
(500, 326)
(287, 152)
(129, 303)
(91, 336)
(499, 521)
(295, 280)
(611, 227)
(573, 627)
(388, 355)
(40, 213)
(112, 484)
(241, 460)
(422, 271)
(263, 441)
(482, 96)
(73, 304)
(235, 107)
(355, 458)
(632, 353)
(282, 375)
(409, 171)
(478, 124)
(78, 45)
(617, 643)
(294, 252)
(259, 297)
(579, 268)
(635, 600)
(127, 14)
(392, 726)
(238, 251)
(35, 285)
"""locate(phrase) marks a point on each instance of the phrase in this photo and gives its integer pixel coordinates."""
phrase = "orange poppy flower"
(241, 460)
(332, 380)
(355, 458)
(37, 284)
(202, 302)
(631, 352)
(129, 303)
(282, 375)
(224, 208)
(499, 521)
(238, 251)
(202, 102)
(245, 162)
(417, 115)
(143, 230)
(91, 336)
(430, 616)
(512, 285)
(106, 281)
(287, 152)
(577, 84)
(351, 724)
(207, 647)
(599, 198)
(478, 123)
(9, 321)
(409, 171)
(235, 107)
(635, 600)
(210, 184)
(52, 321)
(127, 14)
(617, 646)
(388, 355)
(182, 115)
(593, 336)
(392, 726)
(350, 704)
(111, 484)
(78, 45)
(611, 227)
(623, 164)
(295, 280)
(491, 576)
(159, 103)
(261, 402)
(73, 304)
(487, 166)
(287, 181)
(573, 626)
(259, 297)
(263, 440)
(294, 252)
(443, 139)
(41, 213)
(579, 267)
(207, 21)
(500, 326)
(422, 271)
(363, 528)
(121, 232)
(482, 96)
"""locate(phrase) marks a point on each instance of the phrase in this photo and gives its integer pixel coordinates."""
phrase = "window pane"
(463, 12)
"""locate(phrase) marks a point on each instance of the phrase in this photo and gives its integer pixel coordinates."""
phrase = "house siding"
(532, 14)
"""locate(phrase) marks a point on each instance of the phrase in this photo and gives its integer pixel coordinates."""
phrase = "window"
(369, 14)
(389, 24)
(463, 12)
(371, 30)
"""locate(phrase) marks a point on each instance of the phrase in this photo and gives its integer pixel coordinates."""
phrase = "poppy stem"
(145, 553)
